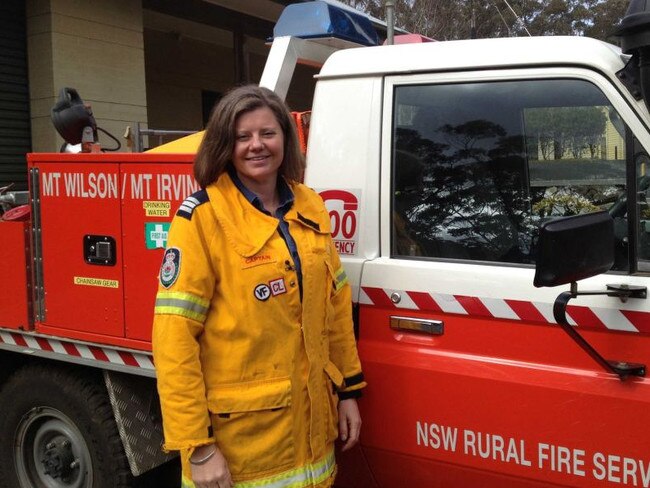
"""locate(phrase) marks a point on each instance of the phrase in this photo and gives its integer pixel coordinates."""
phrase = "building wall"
(186, 60)
(183, 59)
(160, 63)
(95, 46)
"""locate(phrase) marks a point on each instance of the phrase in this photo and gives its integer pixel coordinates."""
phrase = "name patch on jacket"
(190, 203)
(257, 260)
(171, 267)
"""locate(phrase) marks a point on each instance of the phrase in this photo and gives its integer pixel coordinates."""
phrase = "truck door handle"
(411, 324)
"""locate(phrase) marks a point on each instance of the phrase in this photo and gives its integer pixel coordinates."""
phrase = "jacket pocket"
(334, 379)
(253, 425)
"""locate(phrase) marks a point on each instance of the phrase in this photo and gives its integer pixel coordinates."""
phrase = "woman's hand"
(349, 423)
(214, 473)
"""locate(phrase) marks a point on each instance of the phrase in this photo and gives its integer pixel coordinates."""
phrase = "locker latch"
(99, 250)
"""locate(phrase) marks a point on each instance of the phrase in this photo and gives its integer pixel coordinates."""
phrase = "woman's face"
(259, 146)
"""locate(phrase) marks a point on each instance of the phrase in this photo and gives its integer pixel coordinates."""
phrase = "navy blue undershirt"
(286, 202)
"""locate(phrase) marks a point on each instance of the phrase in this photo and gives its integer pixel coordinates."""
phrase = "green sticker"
(155, 234)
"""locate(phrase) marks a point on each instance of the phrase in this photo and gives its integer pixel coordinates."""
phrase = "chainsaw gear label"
(101, 282)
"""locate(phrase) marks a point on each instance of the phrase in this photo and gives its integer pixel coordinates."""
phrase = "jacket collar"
(284, 191)
(247, 229)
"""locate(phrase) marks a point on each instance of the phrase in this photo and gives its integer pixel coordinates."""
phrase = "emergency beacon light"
(71, 116)
(320, 19)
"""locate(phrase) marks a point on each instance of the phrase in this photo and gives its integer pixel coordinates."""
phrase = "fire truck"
(470, 184)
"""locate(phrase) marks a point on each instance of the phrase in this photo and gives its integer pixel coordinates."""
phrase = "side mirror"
(574, 248)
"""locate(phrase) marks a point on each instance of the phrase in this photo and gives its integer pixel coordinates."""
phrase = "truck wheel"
(58, 431)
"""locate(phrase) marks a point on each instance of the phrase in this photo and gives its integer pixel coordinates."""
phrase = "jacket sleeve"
(343, 347)
(186, 285)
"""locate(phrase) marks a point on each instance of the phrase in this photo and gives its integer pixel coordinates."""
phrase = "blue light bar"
(319, 19)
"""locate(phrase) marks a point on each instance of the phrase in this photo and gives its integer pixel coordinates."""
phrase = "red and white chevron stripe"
(111, 358)
(535, 312)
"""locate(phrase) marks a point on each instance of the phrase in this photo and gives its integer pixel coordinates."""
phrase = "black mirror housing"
(574, 248)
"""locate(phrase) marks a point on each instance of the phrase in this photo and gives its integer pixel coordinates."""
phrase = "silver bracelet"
(203, 460)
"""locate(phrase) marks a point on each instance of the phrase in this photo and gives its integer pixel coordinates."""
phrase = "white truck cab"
(439, 162)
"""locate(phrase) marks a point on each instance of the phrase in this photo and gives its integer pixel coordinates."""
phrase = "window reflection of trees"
(476, 185)
(472, 200)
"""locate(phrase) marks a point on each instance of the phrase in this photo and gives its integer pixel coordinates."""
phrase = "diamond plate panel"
(137, 412)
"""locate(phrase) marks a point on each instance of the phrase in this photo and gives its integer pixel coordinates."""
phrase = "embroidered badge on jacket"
(277, 287)
(171, 267)
(262, 292)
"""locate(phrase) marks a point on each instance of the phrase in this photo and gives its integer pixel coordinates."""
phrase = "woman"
(253, 339)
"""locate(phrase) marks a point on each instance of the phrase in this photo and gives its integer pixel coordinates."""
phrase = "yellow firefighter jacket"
(240, 359)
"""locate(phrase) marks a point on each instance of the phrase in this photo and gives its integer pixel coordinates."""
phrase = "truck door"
(469, 378)
(81, 278)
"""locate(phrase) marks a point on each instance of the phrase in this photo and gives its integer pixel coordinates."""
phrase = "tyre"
(58, 431)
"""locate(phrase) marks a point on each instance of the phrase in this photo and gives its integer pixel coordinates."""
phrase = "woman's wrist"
(203, 454)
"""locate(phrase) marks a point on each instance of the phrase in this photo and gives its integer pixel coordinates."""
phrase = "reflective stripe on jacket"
(240, 359)
(320, 474)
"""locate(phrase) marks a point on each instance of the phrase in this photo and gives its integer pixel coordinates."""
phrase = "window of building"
(209, 99)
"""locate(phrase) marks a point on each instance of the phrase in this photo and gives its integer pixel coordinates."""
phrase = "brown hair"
(215, 152)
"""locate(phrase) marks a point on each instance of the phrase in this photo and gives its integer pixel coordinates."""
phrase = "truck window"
(478, 166)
